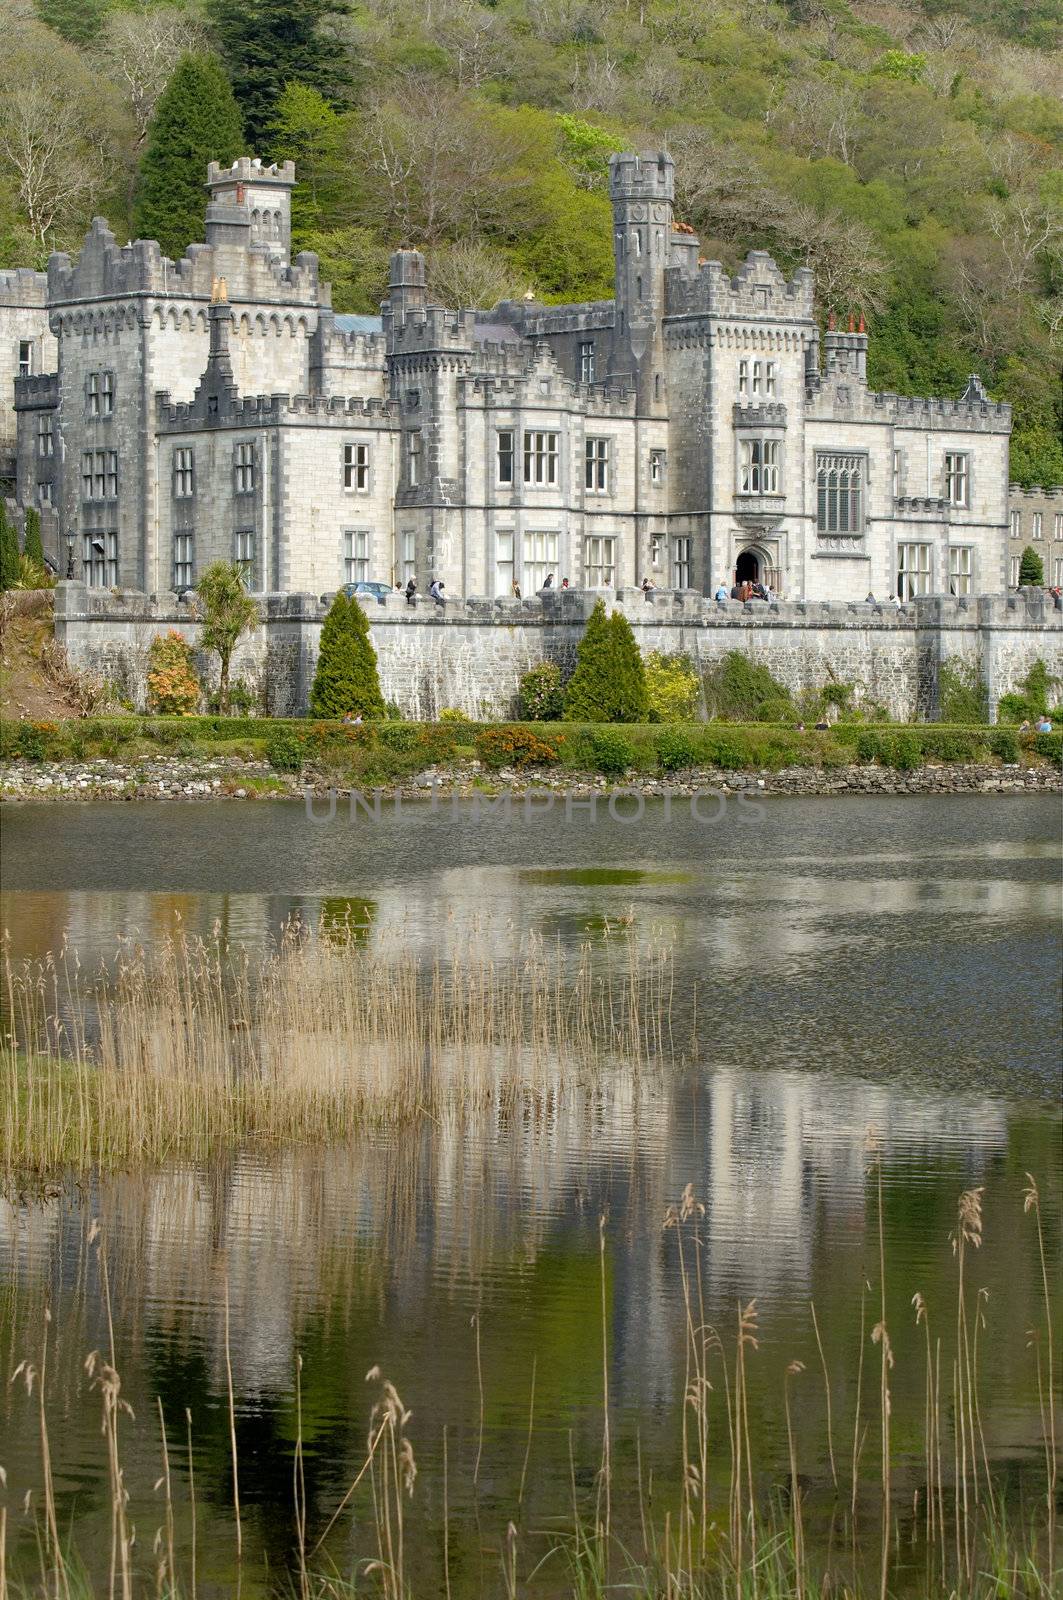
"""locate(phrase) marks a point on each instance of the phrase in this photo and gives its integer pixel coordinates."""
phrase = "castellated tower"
(265, 193)
(642, 188)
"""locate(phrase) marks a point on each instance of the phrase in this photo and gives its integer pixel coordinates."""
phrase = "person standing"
(411, 590)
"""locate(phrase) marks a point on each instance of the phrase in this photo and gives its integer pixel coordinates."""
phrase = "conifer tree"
(8, 552)
(346, 678)
(1031, 568)
(32, 542)
(196, 121)
(609, 683)
(267, 44)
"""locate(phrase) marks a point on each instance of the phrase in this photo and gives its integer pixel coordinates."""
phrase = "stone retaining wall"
(470, 655)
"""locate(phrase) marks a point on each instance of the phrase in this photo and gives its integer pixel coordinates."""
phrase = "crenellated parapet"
(837, 396)
(759, 290)
(23, 288)
(272, 410)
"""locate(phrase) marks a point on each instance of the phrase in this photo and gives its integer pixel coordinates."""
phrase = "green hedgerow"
(677, 750)
(610, 752)
(1004, 743)
(285, 751)
(903, 752)
(542, 694)
(346, 678)
(609, 683)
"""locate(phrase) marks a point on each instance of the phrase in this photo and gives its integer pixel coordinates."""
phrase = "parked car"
(367, 586)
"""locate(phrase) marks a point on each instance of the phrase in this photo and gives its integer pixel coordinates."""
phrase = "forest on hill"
(909, 151)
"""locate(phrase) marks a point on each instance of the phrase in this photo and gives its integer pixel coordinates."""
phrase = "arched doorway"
(747, 567)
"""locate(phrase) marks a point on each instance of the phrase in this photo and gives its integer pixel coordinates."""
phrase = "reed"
(194, 1048)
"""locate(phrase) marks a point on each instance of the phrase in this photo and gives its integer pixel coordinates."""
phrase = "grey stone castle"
(695, 429)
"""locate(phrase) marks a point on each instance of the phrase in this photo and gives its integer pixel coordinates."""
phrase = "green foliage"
(900, 64)
(541, 694)
(9, 553)
(346, 679)
(609, 683)
(1031, 568)
(31, 543)
(962, 694)
(31, 740)
(285, 751)
(677, 750)
(1005, 743)
(672, 687)
(610, 752)
(173, 687)
(744, 691)
(78, 21)
(903, 752)
(196, 121)
(227, 612)
(1031, 699)
(268, 45)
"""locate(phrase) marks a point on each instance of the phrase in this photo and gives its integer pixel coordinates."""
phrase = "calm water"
(856, 963)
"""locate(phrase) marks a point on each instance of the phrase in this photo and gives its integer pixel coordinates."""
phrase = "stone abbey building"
(695, 429)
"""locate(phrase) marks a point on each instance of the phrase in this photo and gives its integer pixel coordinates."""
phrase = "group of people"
(745, 590)
(1042, 725)
(435, 589)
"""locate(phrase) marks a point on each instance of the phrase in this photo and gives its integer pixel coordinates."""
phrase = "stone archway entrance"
(748, 567)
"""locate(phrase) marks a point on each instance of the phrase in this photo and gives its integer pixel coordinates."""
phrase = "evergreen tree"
(8, 552)
(1031, 568)
(346, 677)
(32, 541)
(79, 21)
(609, 683)
(267, 44)
(196, 121)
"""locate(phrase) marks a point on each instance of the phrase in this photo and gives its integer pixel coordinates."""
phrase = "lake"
(845, 965)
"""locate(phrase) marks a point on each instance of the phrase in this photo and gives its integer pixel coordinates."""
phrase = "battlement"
(24, 287)
(269, 410)
(250, 169)
(646, 175)
(37, 393)
(771, 414)
(417, 328)
(1035, 492)
(825, 394)
(760, 290)
(105, 270)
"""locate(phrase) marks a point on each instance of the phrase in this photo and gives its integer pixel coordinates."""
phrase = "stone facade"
(471, 656)
(693, 430)
(1036, 519)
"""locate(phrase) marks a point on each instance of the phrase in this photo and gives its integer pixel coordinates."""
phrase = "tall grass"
(680, 1547)
(194, 1047)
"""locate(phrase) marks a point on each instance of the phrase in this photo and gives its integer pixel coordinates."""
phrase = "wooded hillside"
(909, 151)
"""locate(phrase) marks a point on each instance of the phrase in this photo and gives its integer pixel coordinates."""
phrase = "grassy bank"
(385, 752)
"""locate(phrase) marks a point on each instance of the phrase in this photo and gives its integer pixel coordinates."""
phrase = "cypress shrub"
(32, 544)
(609, 683)
(1031, 568)
(346, 678)
(196, 121)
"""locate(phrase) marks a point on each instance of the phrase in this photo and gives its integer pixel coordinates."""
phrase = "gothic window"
(599, 561)
(44, 494)
(1013, 572)
(898, 473)
(743, 377)
(100, 559)
(99, 489)
(106, 394)
(961, 569)
(504, 457)
(596, 467)
(92, 395)
(86, 475)
(409, 548)
(1038, 525)
(681, 562)
(25, 358)
(244, 468)
(355, 555)
(840, 493)
(658, 459)
(759, 466)
(913, 570)
(1016, 524)
(540, 559)
(540, 458)
(586, 361)
(956, 479)
(1057, 572)
(45, 434)
(184, 473)
(769, 379)
(413, 457)
(111, 474)
(183, 561)
(656, 549)
(1057, 525)
(244, 556)
(356, 468)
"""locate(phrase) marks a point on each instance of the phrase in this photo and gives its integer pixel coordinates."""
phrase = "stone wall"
(471, 655)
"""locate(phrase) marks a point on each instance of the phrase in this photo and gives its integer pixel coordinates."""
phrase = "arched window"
(840, 493)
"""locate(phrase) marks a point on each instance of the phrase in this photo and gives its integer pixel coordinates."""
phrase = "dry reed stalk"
(446, 1511)
(475, 1319)
(36, 1378)
(299, 1482)
(792, 1371)
(528, 1444)
(232, 1427)
(929, 1417)
(192, 1497)
(103, 1376)
(1032, 1202)
(3, 1553)
(606, 1478)
(826, 1386)
(165, 1481)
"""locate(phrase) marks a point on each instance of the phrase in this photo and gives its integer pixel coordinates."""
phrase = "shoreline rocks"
(236, 778)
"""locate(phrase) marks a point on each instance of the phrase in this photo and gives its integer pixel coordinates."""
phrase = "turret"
(845, 354)
(406, 283)
(642, 188)
(256, 198)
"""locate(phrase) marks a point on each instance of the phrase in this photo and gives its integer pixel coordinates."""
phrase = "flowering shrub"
(542, 696)
(512, 746)
(172, 683)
